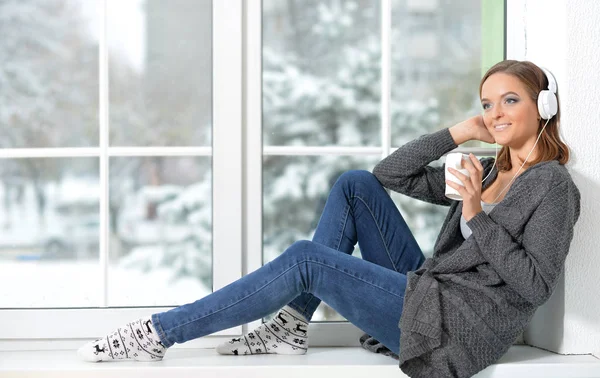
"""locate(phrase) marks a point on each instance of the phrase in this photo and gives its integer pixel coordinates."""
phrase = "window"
(147, 160)
(113, 139)
(324, 90)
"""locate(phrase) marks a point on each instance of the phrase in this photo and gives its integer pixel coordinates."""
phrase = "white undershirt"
(466, 231)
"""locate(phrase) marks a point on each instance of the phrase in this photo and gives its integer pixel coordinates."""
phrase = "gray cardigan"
(466, 305)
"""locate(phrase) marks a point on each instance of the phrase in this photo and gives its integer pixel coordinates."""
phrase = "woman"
(446, 316)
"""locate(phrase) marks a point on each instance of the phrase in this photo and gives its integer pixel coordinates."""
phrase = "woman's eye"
(511, 99)
(485, 106)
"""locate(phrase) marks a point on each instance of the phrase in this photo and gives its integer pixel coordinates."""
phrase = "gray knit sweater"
(466, 305)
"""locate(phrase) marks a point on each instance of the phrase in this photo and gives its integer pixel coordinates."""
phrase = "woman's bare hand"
(472, 128)
(470, 190)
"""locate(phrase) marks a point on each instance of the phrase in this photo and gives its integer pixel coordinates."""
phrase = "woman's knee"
(305, 251)
(300, 248)
(354, 177)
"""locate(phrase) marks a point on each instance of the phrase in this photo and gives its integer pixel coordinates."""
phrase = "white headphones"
(547, 107)
(547, 103)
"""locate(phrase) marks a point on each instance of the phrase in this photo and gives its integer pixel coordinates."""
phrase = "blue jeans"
(368, 292)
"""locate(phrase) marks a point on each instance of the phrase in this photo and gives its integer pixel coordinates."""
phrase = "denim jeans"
(368, 292)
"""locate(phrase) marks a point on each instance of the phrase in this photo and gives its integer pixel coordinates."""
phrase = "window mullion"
(515, 30)
(253, 199)
(227, 145)
(386, 31)
(103, 109)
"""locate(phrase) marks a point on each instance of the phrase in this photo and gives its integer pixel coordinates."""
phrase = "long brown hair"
(550, 146)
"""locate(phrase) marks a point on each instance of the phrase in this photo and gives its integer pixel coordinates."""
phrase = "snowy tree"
(327, 92)
(189, 255)
(48, 76)
(48, 84)
(321, 87)
(339, 108)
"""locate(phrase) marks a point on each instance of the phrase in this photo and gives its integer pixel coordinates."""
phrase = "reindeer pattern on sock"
(136, 340)
(98, 350)
(149, 344)
(147, 324)
(300, 329)
(284, 332)
(280, 317)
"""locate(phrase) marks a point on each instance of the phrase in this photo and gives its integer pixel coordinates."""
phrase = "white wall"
(564, 36)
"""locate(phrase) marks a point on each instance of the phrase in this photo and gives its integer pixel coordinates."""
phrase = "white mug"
(453, 160)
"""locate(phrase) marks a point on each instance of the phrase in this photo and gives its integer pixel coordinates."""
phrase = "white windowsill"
(520, 361)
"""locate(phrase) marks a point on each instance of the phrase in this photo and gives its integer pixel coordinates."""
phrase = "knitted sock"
(136, 340)
(286, 333)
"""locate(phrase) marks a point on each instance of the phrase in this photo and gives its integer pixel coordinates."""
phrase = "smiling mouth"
(501, 127)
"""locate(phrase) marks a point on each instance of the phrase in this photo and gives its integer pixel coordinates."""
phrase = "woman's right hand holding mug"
(470, 129)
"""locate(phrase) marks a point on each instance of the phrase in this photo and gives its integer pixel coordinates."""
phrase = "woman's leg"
(359, 209)
(368, 295)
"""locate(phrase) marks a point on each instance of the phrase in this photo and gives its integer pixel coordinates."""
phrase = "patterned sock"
(136, 340)
(286, 333)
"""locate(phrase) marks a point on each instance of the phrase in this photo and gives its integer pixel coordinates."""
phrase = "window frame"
(237, 179)
(52, 328)
(337, 333)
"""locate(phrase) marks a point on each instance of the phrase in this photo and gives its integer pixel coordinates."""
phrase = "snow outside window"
(330, 69)
(159, 207)
(113, 137)
(140, 144)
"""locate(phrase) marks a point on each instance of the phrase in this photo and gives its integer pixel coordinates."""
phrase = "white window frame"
(28, 329)
(516, 29)
(322, 333)
(334, 333)
(237, 182)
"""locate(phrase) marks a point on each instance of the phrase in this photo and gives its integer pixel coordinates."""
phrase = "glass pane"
(160, 230)
(49, 216)
(295, 190)
(321, 73)
(160, 72)
(436, 66)
(49, 73)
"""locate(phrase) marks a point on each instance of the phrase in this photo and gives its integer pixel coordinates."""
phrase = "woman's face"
(509, 114)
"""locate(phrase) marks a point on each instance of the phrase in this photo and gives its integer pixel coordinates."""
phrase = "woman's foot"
(136, 340)
(286, 333)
